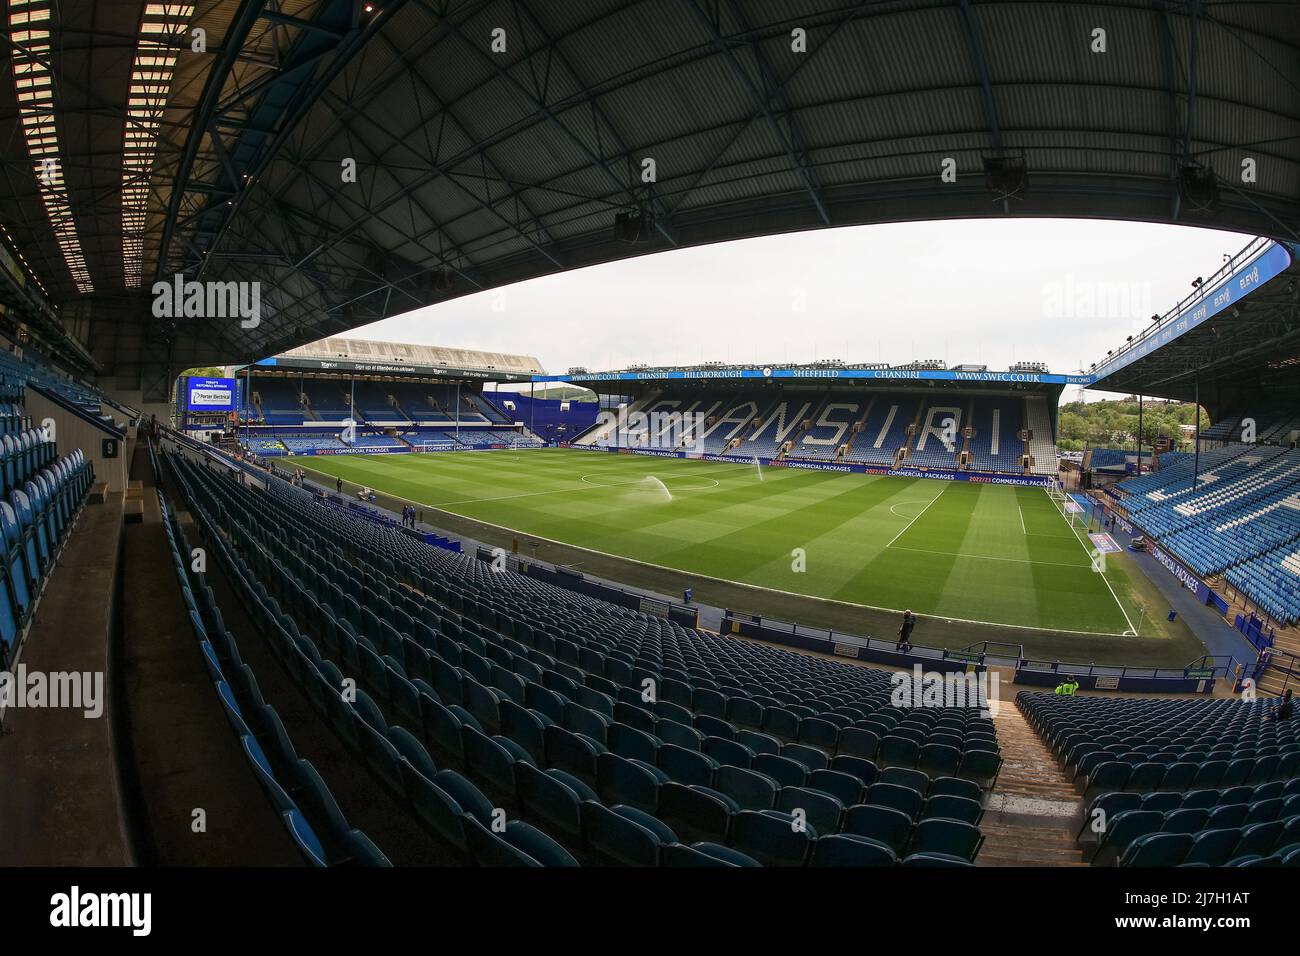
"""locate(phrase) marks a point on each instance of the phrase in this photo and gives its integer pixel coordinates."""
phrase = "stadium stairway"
(364, 804)
(176, 751)
(1032, 812)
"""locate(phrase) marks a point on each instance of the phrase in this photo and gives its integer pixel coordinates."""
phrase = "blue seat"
(953, 808)
(1213, 847)
(698, 809)
(1259, 838)
(1123, 828)
(518, 844)
(772, 837)
(627, 741)
(629, 781)
(823, 811)
(846, 787)
(572, 752)
(553, 797)
(883, 824)
(704, 854)
(750, 789)
(897, 751)
(847, 849)
(728, 752)
(865, 770)
(819, 733)
(1158, 849)
(859, 742)
(687, 766)
(624, 834)
(787, 772)
(903, 799)
(951, 837)
(814, 758)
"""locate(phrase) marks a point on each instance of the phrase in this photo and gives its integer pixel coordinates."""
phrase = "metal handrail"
(987, 654)
(1124, 670)
(1268, 660)
(1253, 249)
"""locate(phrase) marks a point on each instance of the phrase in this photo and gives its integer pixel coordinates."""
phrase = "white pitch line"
(1118, 603)
(1023, 529)
(918, 514)
(991, 557)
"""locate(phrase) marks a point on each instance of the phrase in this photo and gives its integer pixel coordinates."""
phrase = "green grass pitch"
(989, 553)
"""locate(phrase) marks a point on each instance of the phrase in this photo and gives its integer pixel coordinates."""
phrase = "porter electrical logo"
(76, 909)
(208, 300)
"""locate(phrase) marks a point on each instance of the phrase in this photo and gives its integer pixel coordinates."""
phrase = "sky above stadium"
(988, 292)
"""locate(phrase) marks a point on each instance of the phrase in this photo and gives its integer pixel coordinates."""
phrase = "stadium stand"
(853, 427)
(372, 403)
(780, 423)
(1242, 519)
(376, 441)
(327, 401)
(885, 430)
(305, 443)
(938, 438)
(278, 401)
(831, 428)
(1042, 444)
(995, 445)
(292, 785)
(1178, 782)
(521, 683)
(42, 495)
(1116, 457)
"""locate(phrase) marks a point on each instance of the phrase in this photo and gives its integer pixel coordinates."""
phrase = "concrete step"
(1032, 813)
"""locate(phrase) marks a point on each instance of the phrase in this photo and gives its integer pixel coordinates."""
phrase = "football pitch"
(995, 554)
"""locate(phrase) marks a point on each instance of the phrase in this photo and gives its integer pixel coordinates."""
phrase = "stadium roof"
(827, 372)
(357, 354)
(1235, 339)
(478, 165)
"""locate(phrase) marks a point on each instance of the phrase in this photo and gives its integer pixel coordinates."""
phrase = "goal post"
(1064, 503)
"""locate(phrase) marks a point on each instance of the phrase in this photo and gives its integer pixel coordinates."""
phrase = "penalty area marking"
(918, 514)
(914, 501)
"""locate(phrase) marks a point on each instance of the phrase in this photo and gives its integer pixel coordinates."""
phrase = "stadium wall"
(988, 478)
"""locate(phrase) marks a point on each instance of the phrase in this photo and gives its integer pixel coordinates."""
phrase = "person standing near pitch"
(905, 631)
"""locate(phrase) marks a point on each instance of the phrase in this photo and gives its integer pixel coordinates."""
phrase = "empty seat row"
(296, 791)
(504, 759)
(35, 520)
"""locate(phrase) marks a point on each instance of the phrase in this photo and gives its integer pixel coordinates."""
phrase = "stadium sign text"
(1190, 580)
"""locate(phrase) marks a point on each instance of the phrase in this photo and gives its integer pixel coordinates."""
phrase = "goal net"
(1070, 509)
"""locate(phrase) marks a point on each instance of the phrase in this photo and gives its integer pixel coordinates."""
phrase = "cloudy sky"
(977, 291)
